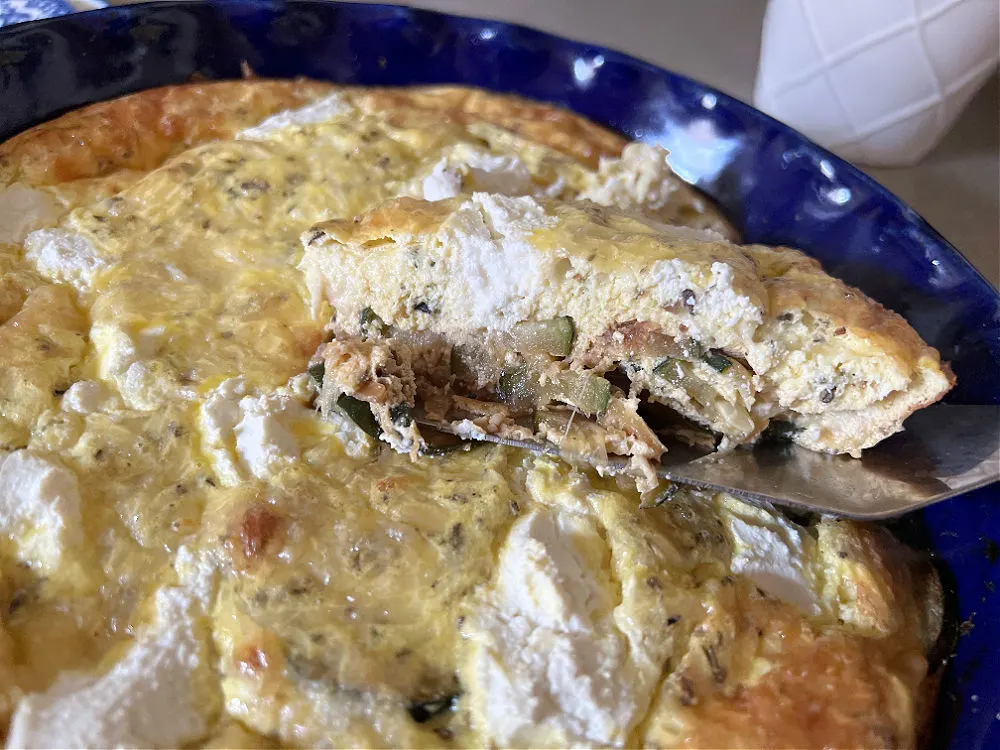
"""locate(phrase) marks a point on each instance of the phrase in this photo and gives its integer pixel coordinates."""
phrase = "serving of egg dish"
(193, 553)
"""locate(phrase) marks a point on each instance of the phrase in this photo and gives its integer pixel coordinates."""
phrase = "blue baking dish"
(774, 184)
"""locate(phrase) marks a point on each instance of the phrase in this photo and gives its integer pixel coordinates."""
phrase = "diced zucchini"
(317, 372)
(678, 372)
(670, 370)
(718, 362)
(360, 413)
(589, 393)
(554, 336)
(521, 387)
(693, 349)
(518, 387)
(372, 324)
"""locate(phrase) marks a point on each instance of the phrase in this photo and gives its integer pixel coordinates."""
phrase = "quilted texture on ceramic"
(877, 82)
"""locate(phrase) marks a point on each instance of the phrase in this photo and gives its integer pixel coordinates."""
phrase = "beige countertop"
(956, 188)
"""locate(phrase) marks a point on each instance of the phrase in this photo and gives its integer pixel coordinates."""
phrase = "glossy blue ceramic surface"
(774, 184)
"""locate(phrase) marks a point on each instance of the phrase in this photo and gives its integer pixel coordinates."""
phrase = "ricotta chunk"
(477, 170)
(774, 554)
(39, 508)
(65, 256)
(23, 210)
(443, 182)
(84, 397)
(321, 110)
(123, 360)
(249, 434)
(150, 698)
(501, 271)
(548, 667)
(264, 440)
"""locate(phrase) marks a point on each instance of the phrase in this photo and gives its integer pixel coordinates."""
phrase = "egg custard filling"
(219, 301)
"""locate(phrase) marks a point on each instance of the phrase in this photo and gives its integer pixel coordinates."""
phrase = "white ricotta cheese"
(84, 397)
(150, 698)
(64, 256)
(120, 361)
(772, 553)
(217, 418)
(477, 170)
(39, 508)
(197, 574)
(264, 441)
(245, 433)
(24, 209)
(443, 182)
(322, 110)
(499, 270)
(548, 666)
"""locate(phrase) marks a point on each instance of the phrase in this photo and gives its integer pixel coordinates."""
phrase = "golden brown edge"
(139, 131)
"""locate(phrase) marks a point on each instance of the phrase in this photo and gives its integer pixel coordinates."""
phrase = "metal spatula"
(944, 451)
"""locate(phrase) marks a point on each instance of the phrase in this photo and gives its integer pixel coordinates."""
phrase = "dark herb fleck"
(673, 619)
(423, 307)
(456, 537)
(316, 234)
(371, 324)
(828, 393)
(687, 697)
(786, 316)
(255, 187)
(17, 601)
(654, 583)
(689, 299)
(718, 671)
(423, 711)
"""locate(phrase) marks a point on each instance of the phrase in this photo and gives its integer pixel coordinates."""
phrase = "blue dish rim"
(902, 214)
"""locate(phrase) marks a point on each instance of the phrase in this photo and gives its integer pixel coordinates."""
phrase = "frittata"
(546, 309)
(198, 549)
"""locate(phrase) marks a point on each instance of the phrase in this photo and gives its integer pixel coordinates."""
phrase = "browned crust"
(547, 124)
(141, 130)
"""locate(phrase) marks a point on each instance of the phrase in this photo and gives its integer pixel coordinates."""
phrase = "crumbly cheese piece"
(469, 169)
(264, 440)
(84, 397)
(39, 508)
(641, 179)
(324, 109)
(250, 434)
(65, 256)
(773, 553)
(549, 668)
(23, 210)
(152, 697)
